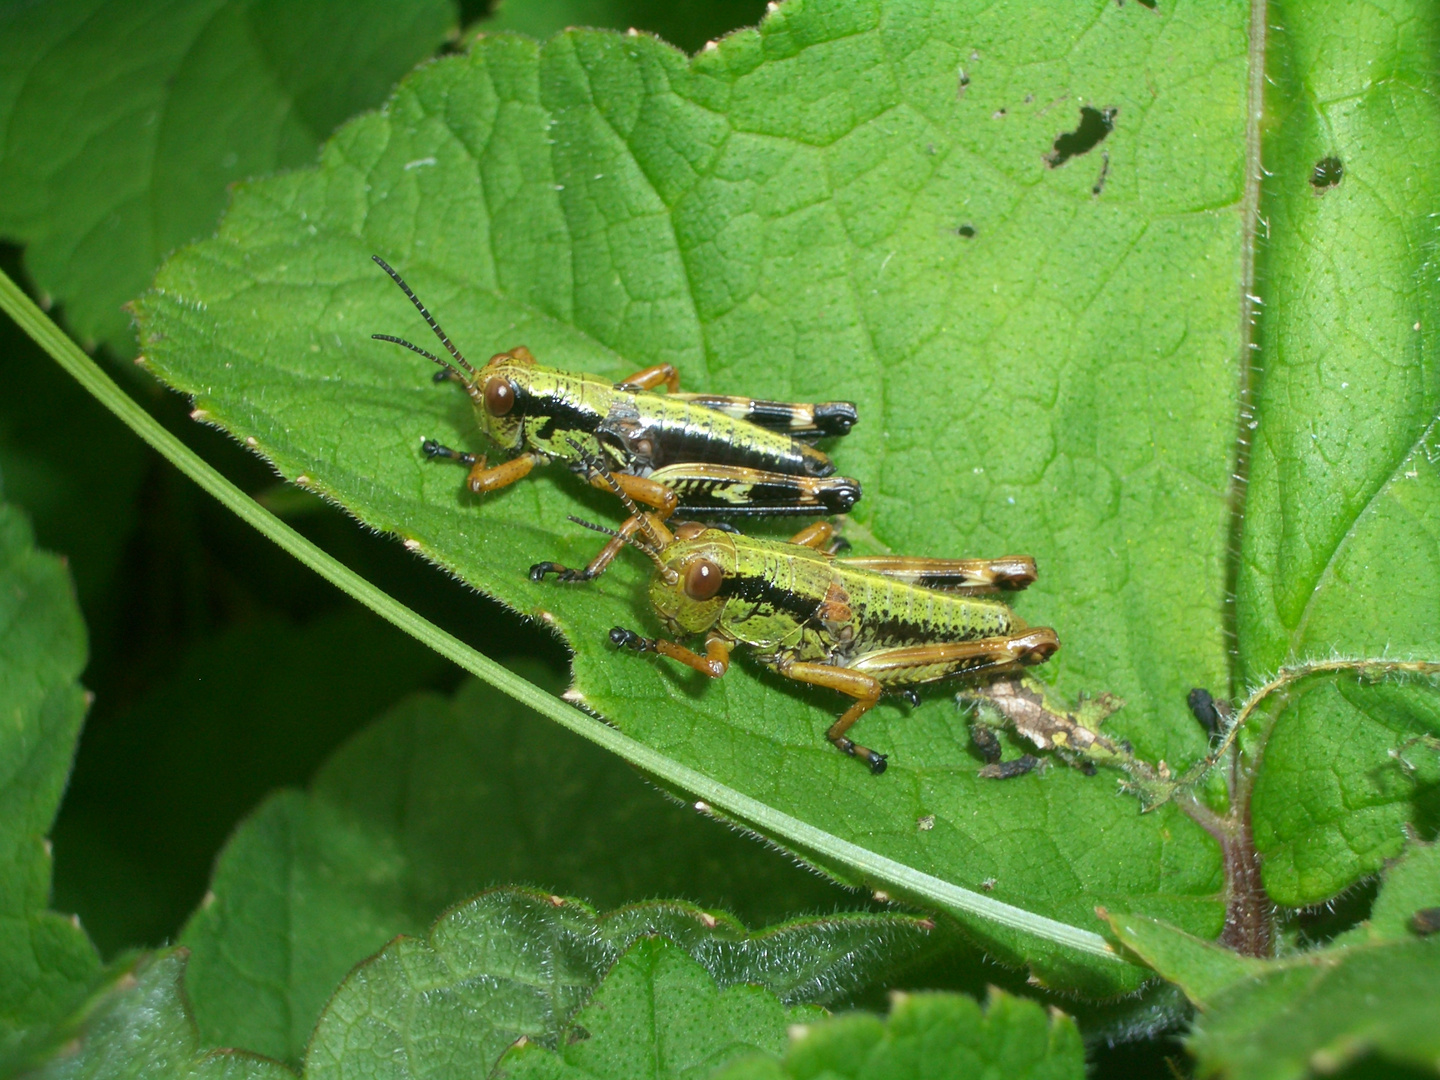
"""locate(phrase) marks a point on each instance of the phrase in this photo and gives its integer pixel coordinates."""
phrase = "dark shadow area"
(1095, 125)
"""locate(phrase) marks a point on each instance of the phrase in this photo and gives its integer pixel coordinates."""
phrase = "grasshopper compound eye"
(499, 396)
(702, 580)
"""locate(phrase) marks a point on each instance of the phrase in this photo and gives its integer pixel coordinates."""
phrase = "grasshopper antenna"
(594, 463)
(648, 552)
(429, 319)
(449, 367)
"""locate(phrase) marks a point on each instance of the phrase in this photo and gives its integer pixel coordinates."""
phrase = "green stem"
(899, 878)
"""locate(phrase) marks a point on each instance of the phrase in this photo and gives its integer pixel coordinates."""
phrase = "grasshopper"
(862, 626)
(704, 454)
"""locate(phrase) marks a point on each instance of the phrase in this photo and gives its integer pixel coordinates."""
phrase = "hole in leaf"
(1328, 172)
(1095, 124)
(967, 231)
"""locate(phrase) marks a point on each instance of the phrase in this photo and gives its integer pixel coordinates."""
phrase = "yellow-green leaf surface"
(930, 1035)
(123, 121)
(857, 201)
(46, 961)
(1340, 552)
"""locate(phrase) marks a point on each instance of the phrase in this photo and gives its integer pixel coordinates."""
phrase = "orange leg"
(864, 689)
(643, 491)
(652, 377)
(714, 663)
(814, 536)
(597, 565)
(482, 479)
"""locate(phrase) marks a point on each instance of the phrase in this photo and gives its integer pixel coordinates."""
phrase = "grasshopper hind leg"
(866, 692)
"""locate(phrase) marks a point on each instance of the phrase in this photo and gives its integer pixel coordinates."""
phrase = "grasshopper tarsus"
(562, 573)
(629, 639)
(910, 697)
(432, 450)
(876, 761)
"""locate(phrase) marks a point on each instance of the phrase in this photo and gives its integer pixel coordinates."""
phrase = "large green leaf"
(779, 216)
(46, 959)
(931, 1035)
(659, 1015)
(514, 963)
(434, 802)
(122, 122)
(1340, 552)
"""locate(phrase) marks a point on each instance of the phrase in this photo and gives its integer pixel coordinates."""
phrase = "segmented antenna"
(444, 340)
(649, 553)
(598, 466)
(449, 367)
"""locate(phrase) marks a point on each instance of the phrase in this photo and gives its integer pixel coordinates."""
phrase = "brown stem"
(1249, 914)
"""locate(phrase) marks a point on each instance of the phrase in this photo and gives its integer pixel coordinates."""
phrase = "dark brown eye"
(702, 580)
(499, 396)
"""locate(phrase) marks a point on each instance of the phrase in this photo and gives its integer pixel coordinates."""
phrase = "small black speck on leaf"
(967, 231)
(1328, 172)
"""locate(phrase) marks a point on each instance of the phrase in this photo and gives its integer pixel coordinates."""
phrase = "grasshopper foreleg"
(598, 564)
(714, 663)
(481, 478)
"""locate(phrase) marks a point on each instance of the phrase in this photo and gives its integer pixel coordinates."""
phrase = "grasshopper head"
(687, 593)
(499, 391)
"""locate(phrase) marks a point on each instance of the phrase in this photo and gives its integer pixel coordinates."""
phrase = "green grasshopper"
(862, 626)
(704, 454)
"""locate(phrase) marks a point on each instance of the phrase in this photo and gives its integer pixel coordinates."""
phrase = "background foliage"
(877, 202)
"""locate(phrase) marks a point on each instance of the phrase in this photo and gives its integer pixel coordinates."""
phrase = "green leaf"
(125, 121)
(1318, 1016)
(1346, 770)
(47, 960)
(514, 963)
(138, 1026)
(931, 1035)
(1340, 552)
(1200, 968)
(1411, 885)
(1372, 992)
(657, 1015)
(390, 836)
(687, 24)
(778, 216)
